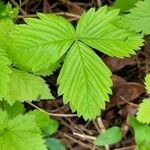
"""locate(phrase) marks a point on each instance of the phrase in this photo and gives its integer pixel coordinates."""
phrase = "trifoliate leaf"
(20, 133)
(110, 136)
(139, 17)
(48, 125)
(98, 30)
(144, 111)
(14, 110)
(6, 11)
(147, 83)
(40, 43)
(84, 81)
(26, 87)
(141, 131)
(54, 144)
(123, 5)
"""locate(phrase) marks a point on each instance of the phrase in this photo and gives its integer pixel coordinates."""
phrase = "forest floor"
(128, 78)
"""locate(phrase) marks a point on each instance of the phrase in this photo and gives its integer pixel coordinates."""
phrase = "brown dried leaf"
(116, 64)
(118, 81)
(147, 45)
(128, 91)
(46, 7)
(75, 9)
(128, 109)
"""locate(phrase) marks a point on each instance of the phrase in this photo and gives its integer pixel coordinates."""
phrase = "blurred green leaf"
(110, 136)
(124, 5)
(147, 83)
(14, 110)
(54, 144)
(143, 147)
(139, 17)
(20, 133)
(47, 125)
(142, 133)
(8, 11)
(144, 111)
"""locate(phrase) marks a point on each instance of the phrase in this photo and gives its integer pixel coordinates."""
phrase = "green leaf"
(110, 136)
(139, 17)
(84, 81)
(123, 5)
(49, 70)
(144, 111)
(2, 7)
(4, 73)
(14, 110)
(143, 147)
(6, 11)
(20, 133)
(98, 30)
(141, 131)
(48, 125)
(147, 83)
(26, 87)
(4, 61)
(6, 26)
(144, 107)
(54, 144)
(40, 44)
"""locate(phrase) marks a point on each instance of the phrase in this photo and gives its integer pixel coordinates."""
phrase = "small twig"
(84, 136)
(101, 125)
(76, 141)
(68, 14)
(132, 104)
(75, 17)
(24, 2)
(27, 16)
(17, 5)
(71, 124)
(96, 126)
(102, 128)
(52, 114)
(82, 4)
(99, 3)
